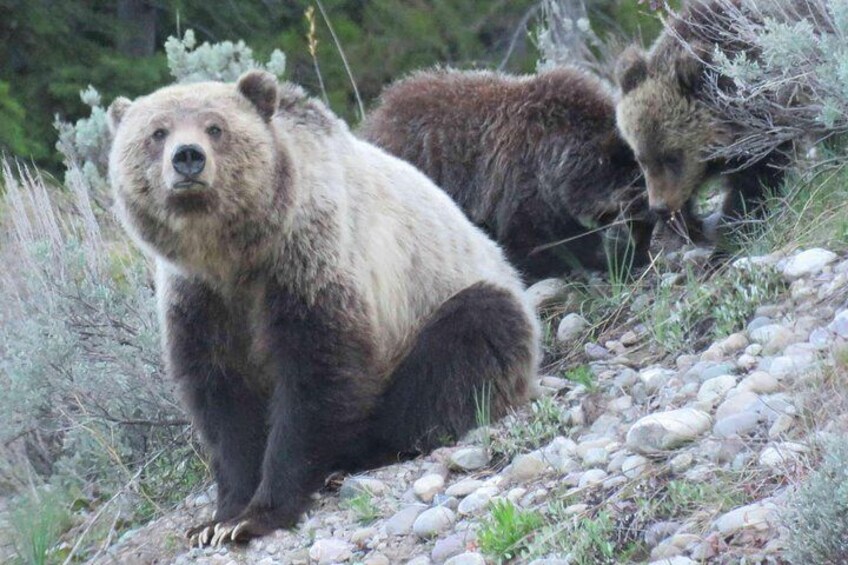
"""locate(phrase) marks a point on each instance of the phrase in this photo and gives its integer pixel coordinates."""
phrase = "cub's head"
(668, 128)
(196, 162)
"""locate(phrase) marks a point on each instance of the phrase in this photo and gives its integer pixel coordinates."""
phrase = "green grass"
(363, 508)
(507, 531)
(546, 420)
(581, 375)
(37, 523)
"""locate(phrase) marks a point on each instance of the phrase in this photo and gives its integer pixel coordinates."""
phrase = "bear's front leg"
(325, 391)
(199, 338)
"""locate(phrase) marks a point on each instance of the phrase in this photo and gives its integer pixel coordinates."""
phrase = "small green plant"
(363, 508)
(37, 523)
(547, 419)
(581, 375)
(506, 532)
(483, 413)
(587, 540)
(683, 497)
(817, 516)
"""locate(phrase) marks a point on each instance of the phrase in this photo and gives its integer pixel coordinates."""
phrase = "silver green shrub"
(84, 144)
(84, 396)
(817, 517)
(790, 82)
(565, 36)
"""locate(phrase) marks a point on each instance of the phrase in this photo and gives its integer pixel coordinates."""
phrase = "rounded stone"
(664, 431)
(809, 262)
(468, 558)
(433, 522)
(715, 389)
(325, 551)
(463, 488)
(527, 467)
(634, 466)
(428, 486)
(591, 477)
(571, 328)
(469, 459)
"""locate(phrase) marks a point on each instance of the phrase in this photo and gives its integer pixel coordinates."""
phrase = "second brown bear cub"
(673, 123)
(533, 160)
(324, 306)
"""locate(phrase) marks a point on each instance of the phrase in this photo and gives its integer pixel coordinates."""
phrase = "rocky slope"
(634, 456)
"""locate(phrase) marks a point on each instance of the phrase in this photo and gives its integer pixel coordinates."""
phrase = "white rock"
(469, 459)
(330, 551)
(744, 401)
(634, 466)
(664, 431)
(715, 389)
(433, 522)
(374, 559)
(467, 558)
(754, 517)
(554, 383)
(809, 262)
(401, 522)
(463, 488)
(839, 325)
(781, 425)
(527, 467)
(595, 457)
(779, 456)
(592, 477)
(655, 378)
(759, 382)
(428, 486)
(682, 462)
(790, 367)
(546, 292)
(676, 560)
(477, 501)
(764, 334)
(571, 327)
(559, 454)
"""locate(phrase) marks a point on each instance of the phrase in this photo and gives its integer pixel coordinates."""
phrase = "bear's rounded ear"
(116, 112)
(261, 88)
(631, 70)
(690, 65)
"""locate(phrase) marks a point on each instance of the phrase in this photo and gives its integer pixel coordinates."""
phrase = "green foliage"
(581, 375)
(363, 508)
(681, 318)
(681, 497)
(39, 519)
(586, 540)
(546, 421)
(817, 516)
(507, 531)
(85, 400)
(224, 61)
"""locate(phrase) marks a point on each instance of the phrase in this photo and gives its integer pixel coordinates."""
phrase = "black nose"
(189, 160)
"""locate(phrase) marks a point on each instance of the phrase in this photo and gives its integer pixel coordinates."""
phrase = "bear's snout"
(189, 161)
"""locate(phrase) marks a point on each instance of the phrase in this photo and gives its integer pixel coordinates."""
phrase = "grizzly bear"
(670, 115)
(536, 161)
(325, 307)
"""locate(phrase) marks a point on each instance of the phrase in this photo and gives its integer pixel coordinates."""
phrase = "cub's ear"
(261, 88)
(631, 70)
(690, 65)
(116, 112)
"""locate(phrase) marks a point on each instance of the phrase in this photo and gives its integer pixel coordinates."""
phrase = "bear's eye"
(160, 134)
(214, 131)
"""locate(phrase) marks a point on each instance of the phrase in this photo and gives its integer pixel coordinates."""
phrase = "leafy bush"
(786, 78)
(817, 517)
(86, 406)
(506, 533)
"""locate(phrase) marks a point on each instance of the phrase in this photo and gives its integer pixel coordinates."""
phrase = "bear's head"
(665, 122)
(193, 165)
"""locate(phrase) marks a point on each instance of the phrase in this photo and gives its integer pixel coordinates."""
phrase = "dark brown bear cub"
(533, 160)
(324, 306)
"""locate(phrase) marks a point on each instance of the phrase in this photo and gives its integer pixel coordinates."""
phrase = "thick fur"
(325, 307)
(673, 126)
(533, 160)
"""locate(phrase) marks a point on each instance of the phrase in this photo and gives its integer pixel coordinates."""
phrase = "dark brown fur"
(533, 160)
